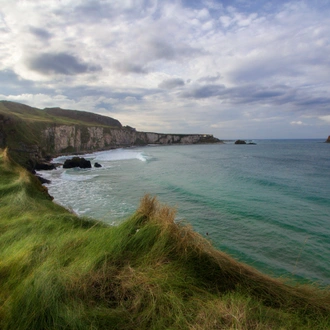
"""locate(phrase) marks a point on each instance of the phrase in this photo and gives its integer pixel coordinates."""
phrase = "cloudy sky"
(235, 69)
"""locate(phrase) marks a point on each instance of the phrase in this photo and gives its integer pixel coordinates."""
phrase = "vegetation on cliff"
(60, 271)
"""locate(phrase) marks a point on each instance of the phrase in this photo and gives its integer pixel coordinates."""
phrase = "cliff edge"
(33, 134)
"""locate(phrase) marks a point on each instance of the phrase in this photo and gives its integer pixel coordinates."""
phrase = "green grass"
(59, 271)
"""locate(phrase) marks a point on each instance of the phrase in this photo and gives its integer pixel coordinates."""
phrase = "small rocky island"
(328, 139)
(244, 142)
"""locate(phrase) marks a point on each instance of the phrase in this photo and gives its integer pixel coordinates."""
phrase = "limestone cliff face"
(61, 139)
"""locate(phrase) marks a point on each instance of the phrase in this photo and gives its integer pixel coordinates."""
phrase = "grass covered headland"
(60, 271)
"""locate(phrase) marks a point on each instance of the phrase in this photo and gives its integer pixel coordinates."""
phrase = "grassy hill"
(60, 271)
(22, 127)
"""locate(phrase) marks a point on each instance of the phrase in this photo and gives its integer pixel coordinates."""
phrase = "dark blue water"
(266, 204)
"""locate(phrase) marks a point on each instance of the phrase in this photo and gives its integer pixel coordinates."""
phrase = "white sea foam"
(118, 154)
(109, 155)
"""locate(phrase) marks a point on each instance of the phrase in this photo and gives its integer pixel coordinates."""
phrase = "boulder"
(77, 162)
(97, 165)
(328, 139)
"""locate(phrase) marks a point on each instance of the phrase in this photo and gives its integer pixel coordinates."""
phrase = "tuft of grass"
(60, 271)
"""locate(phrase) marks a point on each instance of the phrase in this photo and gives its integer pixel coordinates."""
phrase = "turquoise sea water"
(267, 204)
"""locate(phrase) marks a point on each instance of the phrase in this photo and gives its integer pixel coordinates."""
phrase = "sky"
(235, 69)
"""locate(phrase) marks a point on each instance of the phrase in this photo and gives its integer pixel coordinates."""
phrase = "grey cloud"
(127, 67)
(150, 51)
(91, 10)
(88, 11)
(267, 94)
(277, 95)
(40, 33)
(60, 63)
(11, 83)
(262, 69)
(315, 101)
(251, 93)
(210, 79)
(119, 94)
(206, 91)
(171, 83)
(161, 49)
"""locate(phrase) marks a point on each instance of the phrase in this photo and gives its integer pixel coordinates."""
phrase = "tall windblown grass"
(59, 271)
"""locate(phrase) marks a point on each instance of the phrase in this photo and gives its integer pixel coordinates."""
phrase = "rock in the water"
(240, 142)
(77, 162)
(97, 165)
(328, 139)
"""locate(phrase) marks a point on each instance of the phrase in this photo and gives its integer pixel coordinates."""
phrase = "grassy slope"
(30, 114)
(58, 271)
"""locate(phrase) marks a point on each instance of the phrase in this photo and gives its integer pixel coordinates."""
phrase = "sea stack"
(328, 140)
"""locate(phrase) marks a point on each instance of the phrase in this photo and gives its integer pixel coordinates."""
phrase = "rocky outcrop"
(328, 139)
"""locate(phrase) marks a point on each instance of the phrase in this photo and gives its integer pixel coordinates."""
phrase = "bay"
(267, 204)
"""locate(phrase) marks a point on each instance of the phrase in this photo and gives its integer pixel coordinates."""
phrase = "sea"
(266, 204)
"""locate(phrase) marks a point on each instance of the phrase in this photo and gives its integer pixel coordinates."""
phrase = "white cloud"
(325, 118)
(299, 122)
